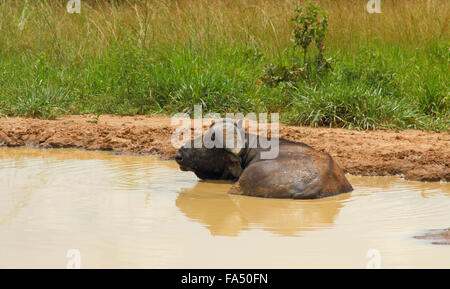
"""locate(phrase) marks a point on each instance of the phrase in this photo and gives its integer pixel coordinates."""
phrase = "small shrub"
(310, 26)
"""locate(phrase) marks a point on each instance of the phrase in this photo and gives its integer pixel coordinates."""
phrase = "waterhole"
(121, 211)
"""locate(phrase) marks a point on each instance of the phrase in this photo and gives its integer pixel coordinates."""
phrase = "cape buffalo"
(298, 171)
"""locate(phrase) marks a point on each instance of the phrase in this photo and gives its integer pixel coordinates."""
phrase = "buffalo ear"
(234, 167)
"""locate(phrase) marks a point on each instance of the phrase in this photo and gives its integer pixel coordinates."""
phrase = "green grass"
(104, 63)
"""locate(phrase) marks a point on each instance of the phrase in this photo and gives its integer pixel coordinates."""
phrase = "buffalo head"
(216, 154)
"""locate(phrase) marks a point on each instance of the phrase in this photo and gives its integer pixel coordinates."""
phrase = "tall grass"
(143, 57)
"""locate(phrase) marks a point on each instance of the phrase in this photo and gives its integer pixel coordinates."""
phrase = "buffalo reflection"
(228, 215)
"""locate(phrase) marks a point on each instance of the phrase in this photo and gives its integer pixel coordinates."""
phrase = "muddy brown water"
(142, 212)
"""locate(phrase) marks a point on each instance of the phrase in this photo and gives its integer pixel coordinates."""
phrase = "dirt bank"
(417, 155)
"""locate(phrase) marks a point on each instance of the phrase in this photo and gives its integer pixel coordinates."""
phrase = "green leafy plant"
(311, 25)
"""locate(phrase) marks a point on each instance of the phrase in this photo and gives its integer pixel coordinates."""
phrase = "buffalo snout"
(182, 157)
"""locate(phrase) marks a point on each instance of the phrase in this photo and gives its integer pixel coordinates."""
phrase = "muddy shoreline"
(412, 154)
